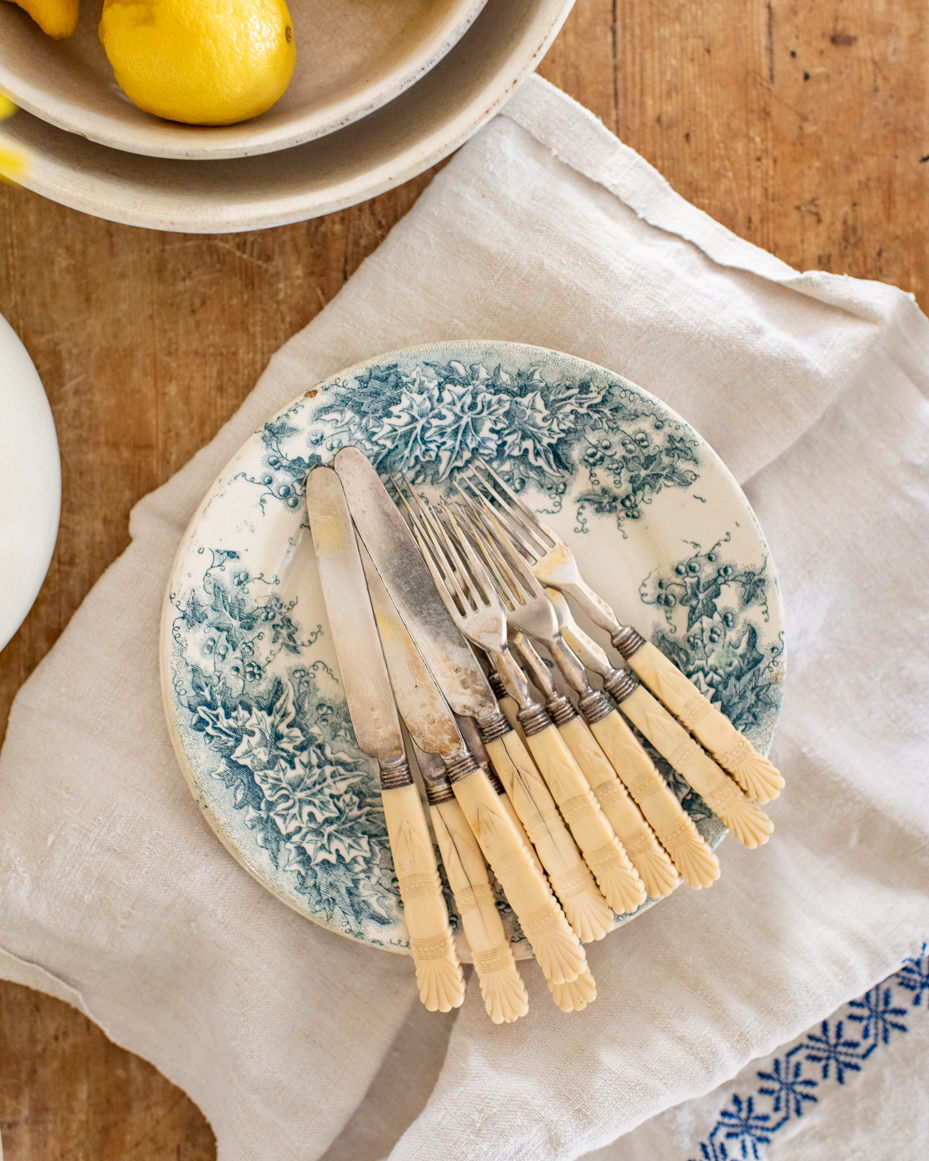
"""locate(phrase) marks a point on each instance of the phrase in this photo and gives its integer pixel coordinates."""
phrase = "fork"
(618, 879)
(679, 836)
(554, 565)
(744, 817)
(473, 605)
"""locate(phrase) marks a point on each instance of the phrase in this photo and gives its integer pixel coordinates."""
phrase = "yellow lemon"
(206, 62)
(57, 18)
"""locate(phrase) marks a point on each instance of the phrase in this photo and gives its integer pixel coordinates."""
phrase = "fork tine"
(515, 562)
(457, 538)
(516, 530)
(503, 492)
(489, 497)
(502, 576)
(422, 523)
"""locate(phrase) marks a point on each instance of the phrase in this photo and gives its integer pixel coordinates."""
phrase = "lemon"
(57, 18)
(205, 62)
(13, 161)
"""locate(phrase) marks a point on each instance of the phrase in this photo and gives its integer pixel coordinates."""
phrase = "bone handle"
(655, 869)
(753, 772)
(504, 993)
(747, 821)
(438, 972)
(594, 835)
(671, 823)
(585, 907)
(555, 945)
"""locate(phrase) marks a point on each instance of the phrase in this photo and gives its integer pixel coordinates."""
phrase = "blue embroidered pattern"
(834, 1049)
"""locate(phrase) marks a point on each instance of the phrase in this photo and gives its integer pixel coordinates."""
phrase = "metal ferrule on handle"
(395, 774)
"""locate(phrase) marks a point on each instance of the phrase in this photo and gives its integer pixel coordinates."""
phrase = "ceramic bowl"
(352, 57)
(382, 150)
(250, 679)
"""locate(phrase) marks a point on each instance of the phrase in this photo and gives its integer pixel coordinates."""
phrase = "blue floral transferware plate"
(250, 681)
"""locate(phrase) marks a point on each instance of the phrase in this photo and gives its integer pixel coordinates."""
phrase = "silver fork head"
(467, 591)
(551, 559)
(528, 609)
(464, 586)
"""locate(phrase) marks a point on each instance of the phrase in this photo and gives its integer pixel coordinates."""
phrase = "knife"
(377, 731)
(459, 676)
(504, 993)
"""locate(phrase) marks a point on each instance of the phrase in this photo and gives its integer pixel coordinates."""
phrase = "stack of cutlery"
(438, 612)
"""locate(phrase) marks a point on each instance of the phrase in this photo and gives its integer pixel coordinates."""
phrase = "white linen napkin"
(544, 229)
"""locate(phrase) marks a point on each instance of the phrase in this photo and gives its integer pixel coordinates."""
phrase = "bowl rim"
(167, 139)
(110, 195)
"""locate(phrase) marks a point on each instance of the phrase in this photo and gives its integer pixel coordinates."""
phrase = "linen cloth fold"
(544, 229)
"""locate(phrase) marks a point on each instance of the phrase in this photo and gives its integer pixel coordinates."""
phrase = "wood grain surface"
(802, 125)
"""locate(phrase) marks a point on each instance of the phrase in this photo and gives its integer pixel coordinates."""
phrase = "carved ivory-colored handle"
(504, 993)
(597, 770)
(674, 827)
(438, 972)
(747, 821)
(753, 772)
(656, 870)
(574, 997)
(586, 909)
(555, 945)
(615, 874)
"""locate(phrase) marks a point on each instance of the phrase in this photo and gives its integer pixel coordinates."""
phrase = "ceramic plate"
(251, 684)
(30, 483)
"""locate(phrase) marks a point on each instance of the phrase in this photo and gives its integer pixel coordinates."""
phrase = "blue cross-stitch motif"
(831, 1047)
(836, 1051)
(746, 1127)
(914, 975)
(878, 1016)
(787, 1085)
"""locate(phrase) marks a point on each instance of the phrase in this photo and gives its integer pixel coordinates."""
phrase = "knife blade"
(376, 725)
(400, 564)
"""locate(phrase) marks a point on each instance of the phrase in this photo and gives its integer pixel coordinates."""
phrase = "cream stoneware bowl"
(380, 151)
(353, 56)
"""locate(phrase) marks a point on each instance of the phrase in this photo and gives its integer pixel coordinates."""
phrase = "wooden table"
(802, 125)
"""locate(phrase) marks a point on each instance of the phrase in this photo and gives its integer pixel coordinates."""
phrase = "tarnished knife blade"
(408, 581)
(422, 707)
(354, 631)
